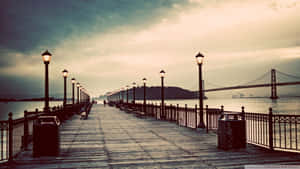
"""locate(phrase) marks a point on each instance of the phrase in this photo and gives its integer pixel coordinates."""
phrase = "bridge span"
(273, 83)
(251, 86)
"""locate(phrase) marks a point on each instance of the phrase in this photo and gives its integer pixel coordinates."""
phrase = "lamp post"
(46, 58)
(120, 95)
(122, 90)
(65, 75)
(199, 58)
(127, 87)
(73, 88)
(133, 84)
(162, 75)
(77, 85)
(144, 81)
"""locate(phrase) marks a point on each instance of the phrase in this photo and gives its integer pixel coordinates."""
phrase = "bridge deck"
(110, 138)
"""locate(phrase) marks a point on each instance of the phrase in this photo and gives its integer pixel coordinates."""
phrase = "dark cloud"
(26, 25)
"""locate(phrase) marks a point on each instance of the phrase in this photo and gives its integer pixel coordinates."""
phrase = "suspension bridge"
(273, 83)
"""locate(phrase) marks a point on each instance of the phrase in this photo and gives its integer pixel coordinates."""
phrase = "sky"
(109, 44)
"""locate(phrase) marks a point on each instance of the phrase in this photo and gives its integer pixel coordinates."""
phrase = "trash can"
(231, 131)
(46, 136)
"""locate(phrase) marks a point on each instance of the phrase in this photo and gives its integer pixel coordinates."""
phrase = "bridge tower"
(273, 85)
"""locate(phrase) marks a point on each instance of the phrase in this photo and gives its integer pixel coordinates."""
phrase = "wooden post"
(10, 137)
(270, 128)
(206, 114)
(26, 132)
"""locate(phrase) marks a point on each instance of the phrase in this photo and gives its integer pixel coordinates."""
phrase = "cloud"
(122, 42)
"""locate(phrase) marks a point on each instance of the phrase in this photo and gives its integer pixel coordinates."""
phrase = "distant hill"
(155, 93)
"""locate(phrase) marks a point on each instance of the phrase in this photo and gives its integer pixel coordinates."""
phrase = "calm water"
(259, 105)
(17, 108)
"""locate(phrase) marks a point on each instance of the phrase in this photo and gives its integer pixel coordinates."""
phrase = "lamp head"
(65, 73)
(199, 58)
(73, 80)
(46, 56)
(144, 80)
(162, 73)
(78, 84)
(134, 84)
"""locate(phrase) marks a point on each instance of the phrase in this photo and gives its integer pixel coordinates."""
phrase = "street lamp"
(127, 87)
(73, 88)
(144, 81)
(199, 58)
(162, 75)
(134, 85)
(77, 85)
(46, 58)
(65, 75)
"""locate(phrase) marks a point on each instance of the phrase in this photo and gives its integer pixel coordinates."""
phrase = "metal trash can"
(46, 140)
(231, 131)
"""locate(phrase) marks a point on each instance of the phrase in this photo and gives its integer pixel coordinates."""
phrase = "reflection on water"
(259, 105)
(17, 108)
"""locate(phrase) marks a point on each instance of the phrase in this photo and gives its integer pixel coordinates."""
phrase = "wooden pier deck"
(111, 138)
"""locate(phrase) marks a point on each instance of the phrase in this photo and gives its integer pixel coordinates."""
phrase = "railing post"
(10, 137)
(185, 108)
(177, 114)
(165, 111)
(196, 116)
(243, 113)
(152, 109)
(270, 128)
(160, 113)
(156, 110)
(206, 115)
(26, 132)
(171, 112)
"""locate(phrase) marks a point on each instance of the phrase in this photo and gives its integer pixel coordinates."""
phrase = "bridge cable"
(257, 79)
(288, 75)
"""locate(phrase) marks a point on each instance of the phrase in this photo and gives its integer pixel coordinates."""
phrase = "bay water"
(288, 105)
(258, 105)
(17, 108)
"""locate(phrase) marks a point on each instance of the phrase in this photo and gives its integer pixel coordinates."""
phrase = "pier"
(112, 138)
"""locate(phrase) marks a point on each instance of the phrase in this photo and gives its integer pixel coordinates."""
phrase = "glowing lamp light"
(73, 80)
(162, 73)
(78, 84)
(65, 73)
(199, 58)
(46, 56)
(144, 80)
